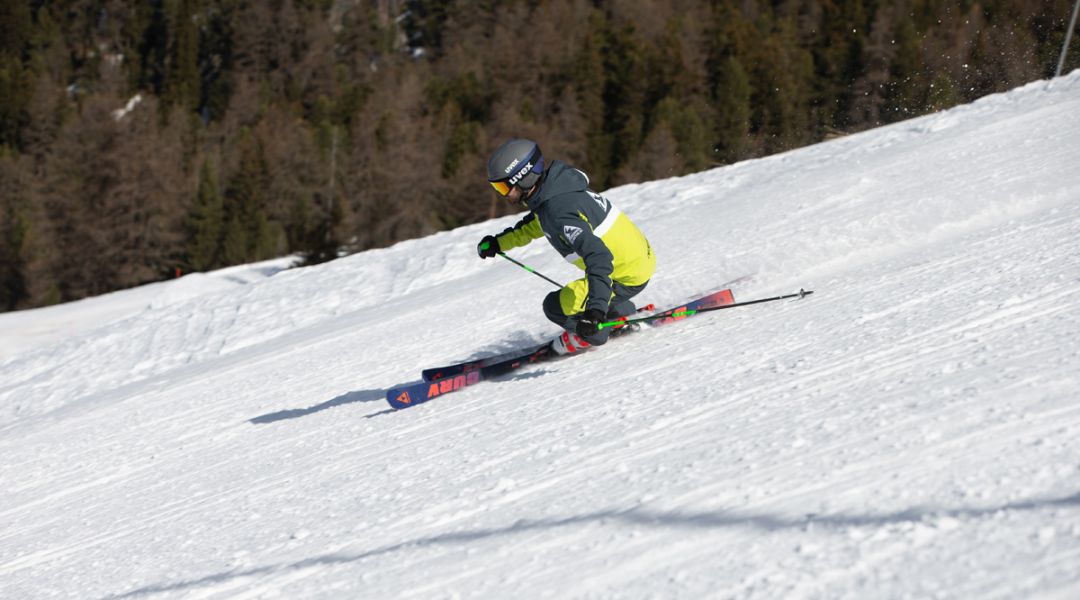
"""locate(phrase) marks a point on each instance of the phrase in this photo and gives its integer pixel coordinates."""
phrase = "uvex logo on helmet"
(523, 172)
(511, 166)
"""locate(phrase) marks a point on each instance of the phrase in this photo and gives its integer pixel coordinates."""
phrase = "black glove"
(588, 323)
(488, 247)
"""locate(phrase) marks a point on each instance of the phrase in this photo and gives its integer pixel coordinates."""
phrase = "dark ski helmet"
(517, 162)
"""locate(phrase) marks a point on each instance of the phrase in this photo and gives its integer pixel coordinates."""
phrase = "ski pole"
(527, 268)
(531, 270)
(686, 313)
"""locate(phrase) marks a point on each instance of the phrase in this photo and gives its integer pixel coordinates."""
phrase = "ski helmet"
(517, 162)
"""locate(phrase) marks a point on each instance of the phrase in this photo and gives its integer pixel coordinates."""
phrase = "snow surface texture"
(910, 431)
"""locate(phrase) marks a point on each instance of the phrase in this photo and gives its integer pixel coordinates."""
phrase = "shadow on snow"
(634, 516)
(360, 396)
(294, 413)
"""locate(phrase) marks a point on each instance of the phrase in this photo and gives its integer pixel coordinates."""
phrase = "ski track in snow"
(911, 430)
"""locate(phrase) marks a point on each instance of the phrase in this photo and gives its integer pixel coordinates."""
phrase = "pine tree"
(206, 223)
(730, 90)
(782, 83)
(151, 47)
(838, 56)
(16, 81)
(942, 94)
(625, 88)
(16, 28)
(245, 198)
(689, 131)
(733, 93)
(267, 236)
(460, 105)
(15, 234)
(588, 76)
(183, 87)
(903, 90)
(234, 245)
(16, 84)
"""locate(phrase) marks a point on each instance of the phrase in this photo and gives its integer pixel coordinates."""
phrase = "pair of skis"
(443, 380)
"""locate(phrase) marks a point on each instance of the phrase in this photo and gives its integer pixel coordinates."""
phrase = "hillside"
(911, 430)
(142, 138)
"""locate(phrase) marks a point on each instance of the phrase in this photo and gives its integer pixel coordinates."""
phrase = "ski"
(416, 393)
(720, 298)
(443, 380)
(713, 300)
(469, 366)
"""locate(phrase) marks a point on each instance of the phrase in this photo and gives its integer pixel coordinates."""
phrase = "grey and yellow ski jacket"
(587, 231)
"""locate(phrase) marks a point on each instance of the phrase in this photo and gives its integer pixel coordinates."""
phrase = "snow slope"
(910, 431)
(20, 332)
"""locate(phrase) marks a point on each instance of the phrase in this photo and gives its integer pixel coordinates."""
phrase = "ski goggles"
(501, 186)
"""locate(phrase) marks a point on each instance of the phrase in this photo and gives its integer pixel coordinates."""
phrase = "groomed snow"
(910, 431)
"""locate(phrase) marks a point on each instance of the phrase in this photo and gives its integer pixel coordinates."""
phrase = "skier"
(584, 228)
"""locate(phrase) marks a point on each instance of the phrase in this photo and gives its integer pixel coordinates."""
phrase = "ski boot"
(568, 343)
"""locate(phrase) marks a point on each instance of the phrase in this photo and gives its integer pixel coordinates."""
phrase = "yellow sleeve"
(521, 234)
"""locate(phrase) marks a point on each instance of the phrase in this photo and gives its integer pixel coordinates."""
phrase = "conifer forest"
(142, 140)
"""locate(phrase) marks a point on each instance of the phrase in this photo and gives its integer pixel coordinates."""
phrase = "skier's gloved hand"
(588, 323)
(488, 247)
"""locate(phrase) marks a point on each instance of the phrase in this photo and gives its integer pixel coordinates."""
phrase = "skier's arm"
(598, 262)
(521, 234)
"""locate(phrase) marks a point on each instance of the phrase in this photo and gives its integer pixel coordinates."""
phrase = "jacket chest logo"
(571, 233)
